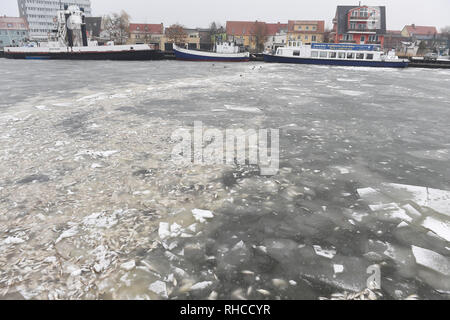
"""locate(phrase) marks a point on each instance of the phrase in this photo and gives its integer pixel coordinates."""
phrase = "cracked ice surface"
(92, 207)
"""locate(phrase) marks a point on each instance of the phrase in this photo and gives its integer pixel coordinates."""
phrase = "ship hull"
(192, 55)
(336, 62)
(90, 55)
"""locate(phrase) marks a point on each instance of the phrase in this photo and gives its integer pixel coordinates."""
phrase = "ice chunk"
(392, 210)
(163, 231)
(67, 234)
(432, 260)
(325, 253)
(243, 109)
(438, 200)
(338, 268)
(202, 215)
(159, 288)
(13, 240)
(201, 285)
(441, 228)
(100, 220)
(127, 266)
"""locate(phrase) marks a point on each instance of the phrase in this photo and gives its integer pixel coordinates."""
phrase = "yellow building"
(307, 31)
(191, 40)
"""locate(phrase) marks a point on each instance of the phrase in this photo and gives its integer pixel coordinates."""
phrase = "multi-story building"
(40, 14)
(276, 35)
(255, 35)
(146, 33)
(13, 31)
(307, 31)
(191, 40)
(360, 24)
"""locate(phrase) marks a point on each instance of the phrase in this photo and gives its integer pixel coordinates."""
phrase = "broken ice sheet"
(441, 228)
(202, 215)
(432, 260)
(160, 288)
(438, 200)
(324, 253)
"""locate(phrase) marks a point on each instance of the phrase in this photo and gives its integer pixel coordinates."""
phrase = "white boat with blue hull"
(224, 52)
(353, 55)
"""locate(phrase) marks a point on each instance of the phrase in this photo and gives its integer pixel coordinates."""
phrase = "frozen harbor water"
(91, 205)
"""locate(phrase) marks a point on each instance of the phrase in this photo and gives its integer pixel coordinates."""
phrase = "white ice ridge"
(432, 260)
(435, 199)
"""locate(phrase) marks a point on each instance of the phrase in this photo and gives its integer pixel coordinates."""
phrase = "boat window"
(323, 54)
(297, 53)
(332, 55)
(341, 55)
(360, 56)
(314, 54)
(369, 56)
(350, 55)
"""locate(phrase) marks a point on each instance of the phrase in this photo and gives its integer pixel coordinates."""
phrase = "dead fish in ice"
(280, 283)
(247, 272)
(263, 292)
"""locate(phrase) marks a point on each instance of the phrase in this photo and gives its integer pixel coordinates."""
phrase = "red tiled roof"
(14, 23)
(421, 30)
(394, 32)
(320, 24)
(273, 28)
(147, 28)
(243, 28)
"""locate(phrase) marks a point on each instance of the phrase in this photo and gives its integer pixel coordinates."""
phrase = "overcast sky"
(199, 13)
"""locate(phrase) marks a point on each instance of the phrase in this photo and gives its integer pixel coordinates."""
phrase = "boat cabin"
(332, 51)
(226, 47)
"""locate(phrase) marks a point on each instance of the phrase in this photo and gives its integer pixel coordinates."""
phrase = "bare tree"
(176, 34)
(259, 35)
(117, 27)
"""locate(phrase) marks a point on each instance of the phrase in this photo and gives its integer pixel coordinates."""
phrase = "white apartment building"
(40, 14)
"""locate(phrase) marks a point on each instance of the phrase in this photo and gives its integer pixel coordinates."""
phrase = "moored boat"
(224, 52)
(355, 55)
(71, 43)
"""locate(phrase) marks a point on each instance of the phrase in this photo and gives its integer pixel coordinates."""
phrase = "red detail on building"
(146, 28)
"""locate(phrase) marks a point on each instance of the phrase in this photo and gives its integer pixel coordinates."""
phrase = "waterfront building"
(146, 33)
(41, 14)
(276, 35)
(307, 31)
(394, 40)
(255, 35)
(360, 25)
(191, 40)
(13, 31)
(419, 32)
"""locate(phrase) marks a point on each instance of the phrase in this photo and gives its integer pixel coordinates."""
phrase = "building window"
(313, 38)
(364, 12)
(347, 37)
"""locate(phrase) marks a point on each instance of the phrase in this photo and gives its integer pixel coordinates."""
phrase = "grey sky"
(199, 13)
